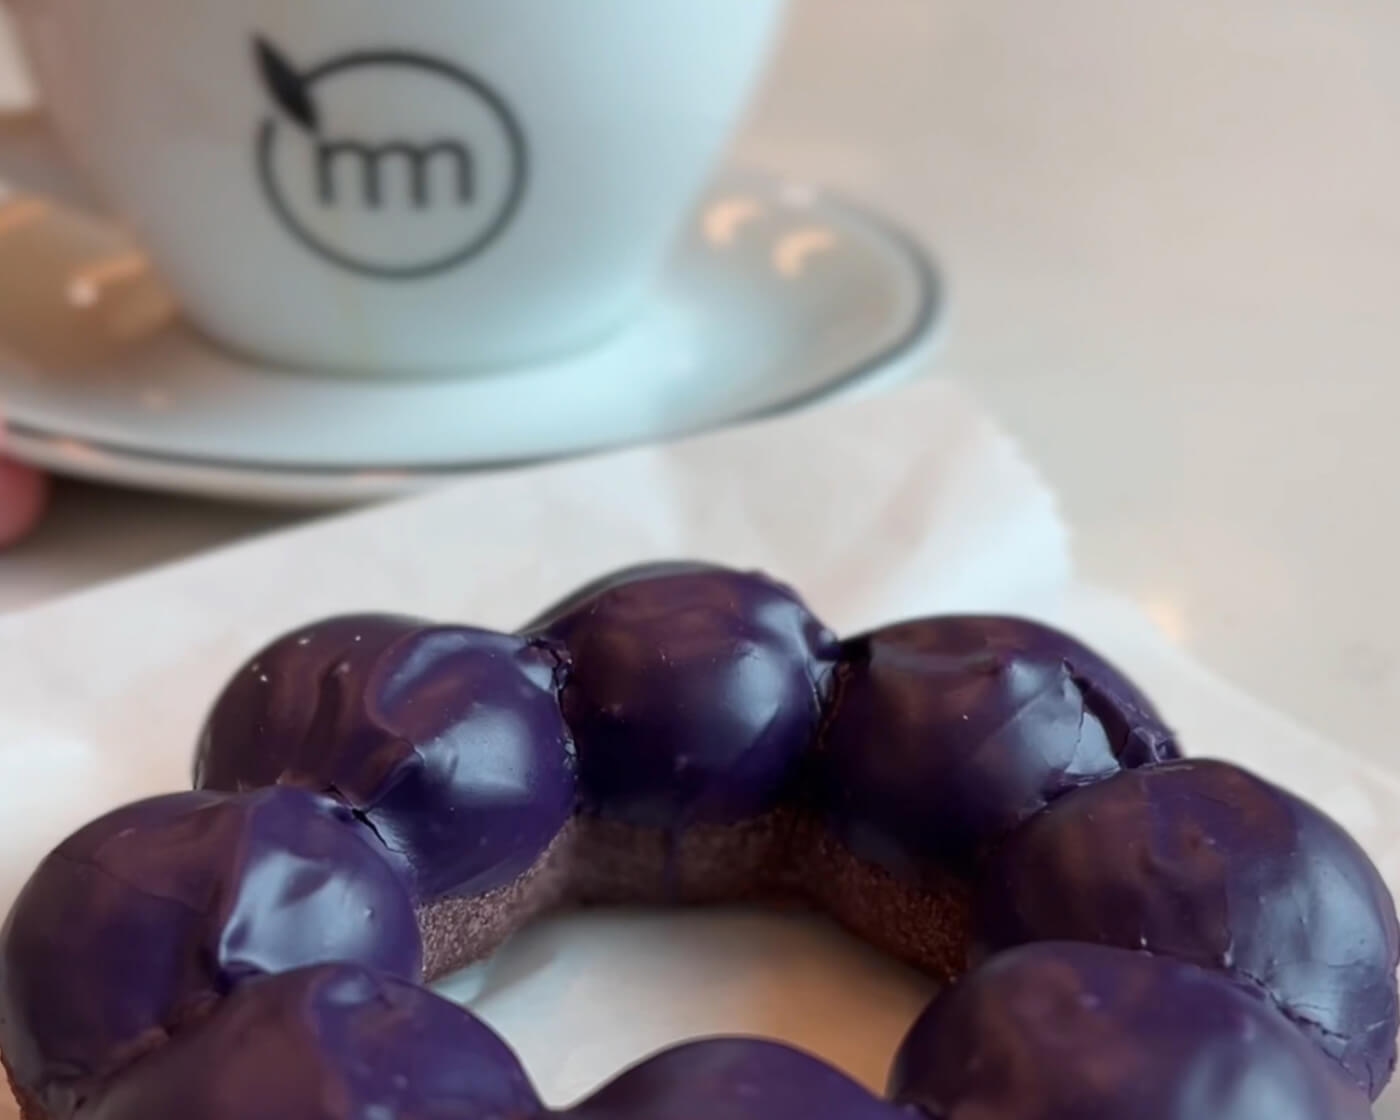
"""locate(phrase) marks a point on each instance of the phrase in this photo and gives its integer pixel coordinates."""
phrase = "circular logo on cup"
(389, 164)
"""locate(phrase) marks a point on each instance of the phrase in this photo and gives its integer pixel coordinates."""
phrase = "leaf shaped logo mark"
(286, 86)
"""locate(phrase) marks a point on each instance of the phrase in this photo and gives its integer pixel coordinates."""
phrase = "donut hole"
(583, 994)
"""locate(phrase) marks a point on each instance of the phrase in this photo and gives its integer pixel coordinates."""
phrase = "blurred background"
(1172, 244)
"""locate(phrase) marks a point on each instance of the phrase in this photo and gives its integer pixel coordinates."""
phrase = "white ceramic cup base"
(776, 296)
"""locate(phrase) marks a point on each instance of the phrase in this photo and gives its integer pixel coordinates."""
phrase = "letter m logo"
(371, 169)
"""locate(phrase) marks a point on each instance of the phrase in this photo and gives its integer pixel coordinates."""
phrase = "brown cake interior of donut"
(782, 857)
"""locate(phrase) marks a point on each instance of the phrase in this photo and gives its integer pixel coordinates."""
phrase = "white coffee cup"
(399, 186)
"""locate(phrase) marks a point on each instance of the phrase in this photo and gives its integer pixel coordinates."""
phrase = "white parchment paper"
(909, 503)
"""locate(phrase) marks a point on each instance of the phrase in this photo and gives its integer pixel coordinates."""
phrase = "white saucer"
(778, 297)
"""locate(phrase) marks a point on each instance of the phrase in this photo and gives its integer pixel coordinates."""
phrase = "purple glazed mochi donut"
(737, 1079)
(143, 920)
(1206, 863)
(692, 692)
(447, 740)
(688, 733)
(333, 1042)
(981, 723)
(1050, 1032)
(1064, 1031)
(338, 1042)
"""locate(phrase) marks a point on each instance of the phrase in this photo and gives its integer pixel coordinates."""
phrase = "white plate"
(778, 296)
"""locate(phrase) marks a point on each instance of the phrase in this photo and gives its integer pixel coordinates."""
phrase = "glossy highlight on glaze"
(143, 920)
(946, 733)
(447, 739)
(693, 692)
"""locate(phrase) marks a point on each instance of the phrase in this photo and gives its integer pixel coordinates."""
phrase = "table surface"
(1173, 238)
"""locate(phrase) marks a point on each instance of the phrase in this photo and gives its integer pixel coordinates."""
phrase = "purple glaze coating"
(947, 733)
(1060, 1031)
(147, 916)
(693, 692)
(733, 1079)
(330, 1043)
(658, 569)
(1205, 862)
(449, 740)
